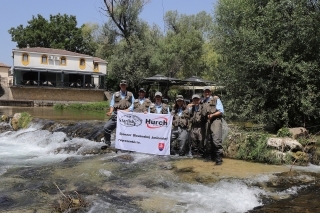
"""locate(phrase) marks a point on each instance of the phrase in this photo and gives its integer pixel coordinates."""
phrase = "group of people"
(196, 127)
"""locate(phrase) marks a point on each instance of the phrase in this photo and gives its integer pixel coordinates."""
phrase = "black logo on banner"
(130, 120)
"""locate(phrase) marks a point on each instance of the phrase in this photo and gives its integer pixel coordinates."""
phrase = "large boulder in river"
(91, 130)
(15, 121)
(284, 144)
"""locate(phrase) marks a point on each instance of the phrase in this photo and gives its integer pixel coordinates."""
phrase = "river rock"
(298, 132)
(284, 144)
(4, 118)
(4, 127)
(91, 130)
(301, 157)
(15, 121)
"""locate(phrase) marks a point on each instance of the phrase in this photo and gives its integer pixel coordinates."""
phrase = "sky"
(16, 12)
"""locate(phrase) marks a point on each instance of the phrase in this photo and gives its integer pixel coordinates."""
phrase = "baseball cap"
(179, 97)
(158, 94)
(123, 82)
(142, 89)
(206, 88)
(195, 96)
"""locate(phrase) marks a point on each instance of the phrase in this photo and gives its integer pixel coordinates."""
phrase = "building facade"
(4, 74)
(47, 74)
(39, 66)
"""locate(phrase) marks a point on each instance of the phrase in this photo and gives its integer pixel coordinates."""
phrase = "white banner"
(146, 133)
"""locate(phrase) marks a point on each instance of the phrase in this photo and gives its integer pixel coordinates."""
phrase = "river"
(38, 168)
(50, 113)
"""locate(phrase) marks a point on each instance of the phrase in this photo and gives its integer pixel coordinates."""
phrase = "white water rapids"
(33, 147)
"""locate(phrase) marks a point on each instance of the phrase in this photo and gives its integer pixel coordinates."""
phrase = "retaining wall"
(57, 94)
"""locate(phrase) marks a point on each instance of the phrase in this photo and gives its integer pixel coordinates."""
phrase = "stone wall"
(57, 94)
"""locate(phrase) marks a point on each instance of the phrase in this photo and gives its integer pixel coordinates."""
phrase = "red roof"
(3, 65)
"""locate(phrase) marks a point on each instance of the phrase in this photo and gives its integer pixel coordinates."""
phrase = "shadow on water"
(55, 114)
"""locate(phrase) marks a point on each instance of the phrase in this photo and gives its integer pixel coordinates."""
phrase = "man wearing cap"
(159, 107)
(141, 104)
(213, 112)
(121, 100)
(196, 120)
(180, 122)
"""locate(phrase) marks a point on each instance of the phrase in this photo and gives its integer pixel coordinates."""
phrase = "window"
(25, 59)
(82, 63)
(63, 61)
(44, 59)
(96, 67)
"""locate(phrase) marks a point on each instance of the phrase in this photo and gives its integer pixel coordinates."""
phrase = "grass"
(94, 106)
(254, 148)
(25, 120)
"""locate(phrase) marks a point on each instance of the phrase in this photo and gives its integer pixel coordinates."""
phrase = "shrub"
(94, 106)
(58, 106)
(254, 148)
(24, 121)
(284, 132)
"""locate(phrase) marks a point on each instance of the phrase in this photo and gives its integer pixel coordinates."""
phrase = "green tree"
(136, 50)
(60, 32)
(184, 49)
(123, 15)
(270, 54)
(128, 42)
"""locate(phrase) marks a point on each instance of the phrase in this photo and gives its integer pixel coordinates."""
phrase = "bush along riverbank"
(15, 122)
(293, 146)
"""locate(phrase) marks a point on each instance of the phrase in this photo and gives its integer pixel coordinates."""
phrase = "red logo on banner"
(160, 146)
(157, 122)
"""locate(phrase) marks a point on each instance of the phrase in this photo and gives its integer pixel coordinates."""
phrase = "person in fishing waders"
(180, 123)
(121, 100)
(213, 112)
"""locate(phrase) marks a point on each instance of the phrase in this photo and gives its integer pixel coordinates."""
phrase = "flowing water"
(50, 113)
(39, 167)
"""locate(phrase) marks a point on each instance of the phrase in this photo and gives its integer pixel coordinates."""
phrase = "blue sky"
(16, 12)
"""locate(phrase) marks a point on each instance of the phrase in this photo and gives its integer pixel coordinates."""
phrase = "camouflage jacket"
(121, 104)
(138, 107)
(164, 109)
(197, 115)
(182, 120)
(210, 107)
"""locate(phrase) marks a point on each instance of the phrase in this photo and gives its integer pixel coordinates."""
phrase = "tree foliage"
(270, 54)
(183, 50)
(124, 16)
(136, 50)
(128, 42)
(60, 32)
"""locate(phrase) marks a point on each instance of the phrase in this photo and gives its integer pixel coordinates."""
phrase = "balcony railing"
(59, 84)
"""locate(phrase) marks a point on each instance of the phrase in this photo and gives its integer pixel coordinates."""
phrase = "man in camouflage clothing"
(141, 104)
(213, 112)
(196, 123)
(121, 100)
